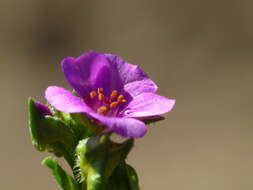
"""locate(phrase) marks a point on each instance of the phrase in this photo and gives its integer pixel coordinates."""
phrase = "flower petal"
(90, 71)
(64, 100)
(148, 104)
(138, 87)
(126, 127)
(134, 79)
(44, 110)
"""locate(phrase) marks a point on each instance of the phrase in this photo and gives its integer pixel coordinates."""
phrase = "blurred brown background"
(199, 52)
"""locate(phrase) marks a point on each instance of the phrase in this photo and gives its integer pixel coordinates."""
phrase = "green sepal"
(153, 120)
(97, 157)
(82, 126)
(63, 179)
(76, 127)
(90, 128)
(55, 131)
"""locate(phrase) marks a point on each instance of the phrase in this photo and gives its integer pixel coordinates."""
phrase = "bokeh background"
(199, 52)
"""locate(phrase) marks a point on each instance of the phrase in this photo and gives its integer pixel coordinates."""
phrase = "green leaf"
(124, 177)
(133, 177)
(97, 157)
(51, 134)
(34, 120)
(119, 179)
(62, 178)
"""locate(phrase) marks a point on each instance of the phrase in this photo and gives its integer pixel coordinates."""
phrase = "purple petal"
(126, 127)
(64, 100)
(89, 72)
(138, 87)
(148, 104)
(134, 79)
(44, 110)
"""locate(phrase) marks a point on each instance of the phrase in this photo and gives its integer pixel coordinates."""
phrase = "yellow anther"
(123, 101)
(114, 105)
(102, 109)
(100, 90)
(120, 98)
(114, 94)
(93, 94)
(101, 97)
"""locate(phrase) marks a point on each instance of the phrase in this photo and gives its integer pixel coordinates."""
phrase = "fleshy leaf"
(51, 134)
(124, 177)
(133, 177)
(97, 157)
(62, 178)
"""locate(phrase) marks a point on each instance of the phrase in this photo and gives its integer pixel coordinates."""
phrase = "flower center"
(106, 105)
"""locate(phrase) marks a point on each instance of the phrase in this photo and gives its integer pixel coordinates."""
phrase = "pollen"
(114, 105)
(93, 94)
(121, 99)
(103, 110)
(114, 94)
(104, 104)
(101, 97)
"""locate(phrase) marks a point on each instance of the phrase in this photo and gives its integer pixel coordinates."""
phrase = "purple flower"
(111, 91)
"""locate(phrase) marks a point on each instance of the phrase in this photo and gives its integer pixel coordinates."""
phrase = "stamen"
(107, 105)
(114, 94)
(100, 90)
(114, 105)
(121, 99)
(93, 94)
(102, 110)
(101, 97)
